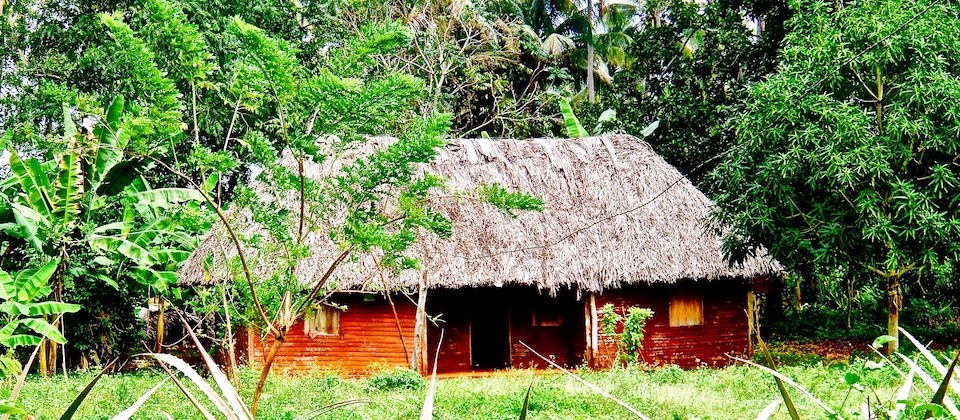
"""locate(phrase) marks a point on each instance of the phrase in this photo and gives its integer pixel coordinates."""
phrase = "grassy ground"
(735, 392)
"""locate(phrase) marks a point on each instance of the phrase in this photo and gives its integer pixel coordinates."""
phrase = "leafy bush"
(398, 378)
(818, 321)
(630, 339)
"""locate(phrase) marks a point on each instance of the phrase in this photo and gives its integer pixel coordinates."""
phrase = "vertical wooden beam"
(594, 330)
(420, 361)
(751, 320)
(587, 323)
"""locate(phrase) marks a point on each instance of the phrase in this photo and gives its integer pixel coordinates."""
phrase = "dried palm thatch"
(614, 214)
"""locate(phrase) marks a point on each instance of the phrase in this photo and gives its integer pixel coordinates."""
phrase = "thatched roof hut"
(615, 213)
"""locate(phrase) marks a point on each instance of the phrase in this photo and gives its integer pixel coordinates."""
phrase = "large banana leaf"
(27, 283)
(68, 191)
(34, 284)
(171, 256)
(122, 227)
(145, 236)
(8, 288)
(163, 198)
(570, 120)
(19, 340)
(39, 308)
(134, 252)
(45, 329)
(69, 128)
(120, 176)
(10, 339)
(109, 152)
(30, 221)
(160, 280)
(33, 182)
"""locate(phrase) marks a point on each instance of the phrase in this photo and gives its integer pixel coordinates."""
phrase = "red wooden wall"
(724, 329)
(368, 336)
(368, 330)
(563, 344)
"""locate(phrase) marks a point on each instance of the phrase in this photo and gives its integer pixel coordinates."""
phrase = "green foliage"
(87, 208)
(845, 155)
(20, 294)
(606, 122)
(397, 379)
(508, 201)
(882, 201)
(574, 128)
(860, 379)
(609, 318)
(689, 72)
(632, 336)
(626, 331)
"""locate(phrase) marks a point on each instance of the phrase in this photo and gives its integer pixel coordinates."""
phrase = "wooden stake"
(420, 361)
(751, 320)
(594, 331)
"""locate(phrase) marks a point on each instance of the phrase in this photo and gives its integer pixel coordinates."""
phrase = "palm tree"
(565, 29)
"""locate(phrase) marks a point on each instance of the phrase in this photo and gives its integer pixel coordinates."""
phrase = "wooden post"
(587, 330)
(594, 331)
(420, 361)
(751, 320)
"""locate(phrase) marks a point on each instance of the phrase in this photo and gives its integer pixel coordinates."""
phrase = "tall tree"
(688, 72)
(847, 155)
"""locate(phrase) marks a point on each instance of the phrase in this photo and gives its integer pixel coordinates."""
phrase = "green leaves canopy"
(847, 156)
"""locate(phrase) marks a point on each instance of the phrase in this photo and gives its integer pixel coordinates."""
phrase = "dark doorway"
(489, 336)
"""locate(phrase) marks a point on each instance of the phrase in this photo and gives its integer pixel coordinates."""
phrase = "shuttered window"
(546, 314)
(686, 308)
(321, 320)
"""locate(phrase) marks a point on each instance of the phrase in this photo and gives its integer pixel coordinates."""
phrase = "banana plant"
(20, 293)
(89, 209)
(576, 130)
(50, 201)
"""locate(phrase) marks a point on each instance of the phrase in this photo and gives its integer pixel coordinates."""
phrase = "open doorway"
(489, 336)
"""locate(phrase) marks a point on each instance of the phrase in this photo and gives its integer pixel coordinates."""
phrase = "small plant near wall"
(630, 338)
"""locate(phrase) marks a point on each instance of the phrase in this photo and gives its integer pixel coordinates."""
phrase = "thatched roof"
(615, 213)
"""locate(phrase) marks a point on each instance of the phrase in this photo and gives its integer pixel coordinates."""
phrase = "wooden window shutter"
(321, 320)
(686, 308)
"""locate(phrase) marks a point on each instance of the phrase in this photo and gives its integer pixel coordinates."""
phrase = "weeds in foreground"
(908, 401)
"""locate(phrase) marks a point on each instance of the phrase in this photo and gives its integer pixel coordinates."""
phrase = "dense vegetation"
(827, 133)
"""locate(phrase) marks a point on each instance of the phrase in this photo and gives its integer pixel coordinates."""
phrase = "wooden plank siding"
(368, 337)
(724, 328)
(368, 332)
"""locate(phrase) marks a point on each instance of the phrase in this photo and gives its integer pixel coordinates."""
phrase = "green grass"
(735, 392)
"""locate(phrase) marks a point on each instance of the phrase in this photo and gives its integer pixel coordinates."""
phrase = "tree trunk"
(419, 360)
(894, 304)
(590, 88)
(265, 371)
(231, 343)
